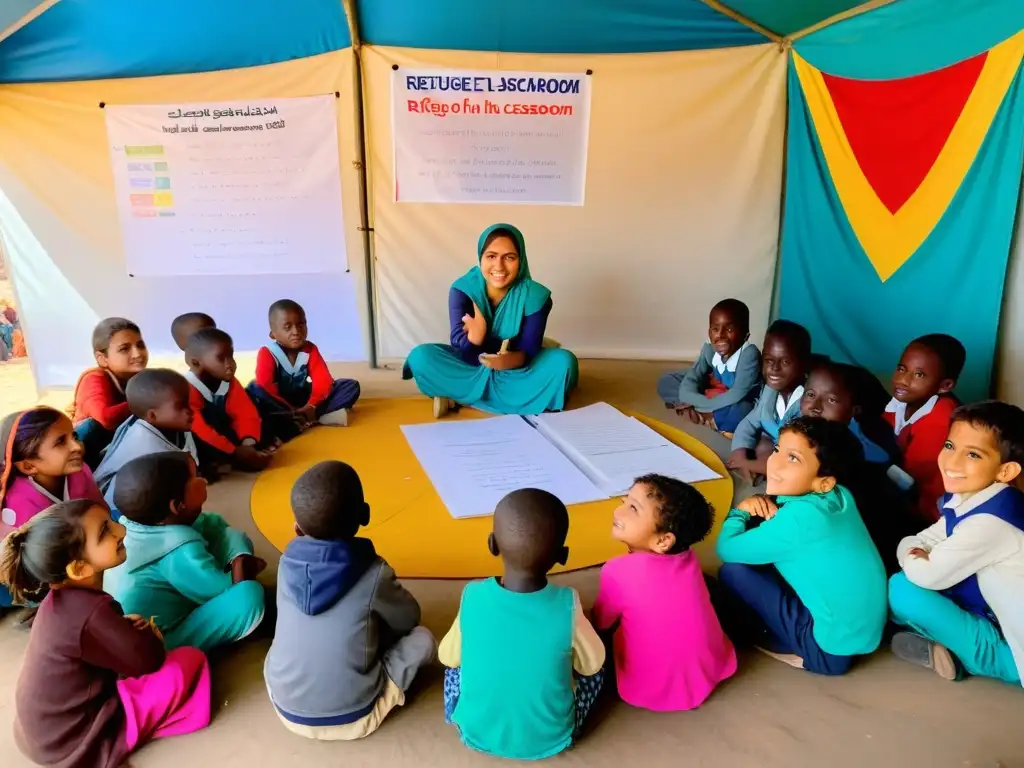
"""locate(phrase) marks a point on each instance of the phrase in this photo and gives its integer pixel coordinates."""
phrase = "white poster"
(482, 136)
(229, 188)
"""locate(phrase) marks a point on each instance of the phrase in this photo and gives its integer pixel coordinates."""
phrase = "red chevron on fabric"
(896, 128)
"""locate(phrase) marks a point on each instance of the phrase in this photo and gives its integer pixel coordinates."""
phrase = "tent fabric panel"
(952, 283)
(682, 204)
(911, 37)
(788, 16)
(1010, 360)
(62, 235)
(13, 11)
(543, 26)
(86, 40)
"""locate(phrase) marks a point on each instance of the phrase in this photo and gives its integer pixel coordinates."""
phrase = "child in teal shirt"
(524, 662)
(807, 584)
(187, 569)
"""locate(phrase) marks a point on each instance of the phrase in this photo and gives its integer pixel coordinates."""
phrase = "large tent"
(854, 167)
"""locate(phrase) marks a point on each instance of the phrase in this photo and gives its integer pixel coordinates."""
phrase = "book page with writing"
(612, 449)
(473, 464)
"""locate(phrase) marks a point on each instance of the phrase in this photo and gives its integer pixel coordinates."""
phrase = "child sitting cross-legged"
(919, 413)
(720, 389)
(806, 585)
(161, 421)
(961, 592)
(722, 386)
(785, 357)
(188, 569)
(348, 642)
(294, 388)
(670, 650)
(99, 404)
(524, 664)
(95, 685)
(227, 425)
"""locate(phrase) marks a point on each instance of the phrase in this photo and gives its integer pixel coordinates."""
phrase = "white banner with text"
(484, 136)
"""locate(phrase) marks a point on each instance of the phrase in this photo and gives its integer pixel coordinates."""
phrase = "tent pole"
(857, 10)
(364, 195)
(30, 16)
(735, 16)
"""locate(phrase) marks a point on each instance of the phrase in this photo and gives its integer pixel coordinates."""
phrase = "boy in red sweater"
(226, 427)
(920, 411)
(99, 405)
(294, 389)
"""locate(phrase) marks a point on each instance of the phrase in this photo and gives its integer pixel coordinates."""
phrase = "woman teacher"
(496, 361)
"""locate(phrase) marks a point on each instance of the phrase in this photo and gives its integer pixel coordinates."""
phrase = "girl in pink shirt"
(41, 464)
(670, 650)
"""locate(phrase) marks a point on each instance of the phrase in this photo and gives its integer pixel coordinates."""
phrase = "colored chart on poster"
(228, 188)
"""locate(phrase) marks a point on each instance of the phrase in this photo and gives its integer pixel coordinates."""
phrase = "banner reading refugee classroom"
(479, 136)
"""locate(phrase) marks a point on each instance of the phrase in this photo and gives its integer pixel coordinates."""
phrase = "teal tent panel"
(911, 37)
(785, 17)
(12, 11)
(551, 26)
(952, 284)
(101, 39)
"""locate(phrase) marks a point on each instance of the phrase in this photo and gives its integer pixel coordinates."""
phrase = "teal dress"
(454, 370)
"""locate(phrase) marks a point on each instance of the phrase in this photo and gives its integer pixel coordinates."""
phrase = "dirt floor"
(884, 713)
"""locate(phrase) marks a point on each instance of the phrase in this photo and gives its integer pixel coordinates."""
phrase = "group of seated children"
(801, 580)
(812, 571)
(123, 410)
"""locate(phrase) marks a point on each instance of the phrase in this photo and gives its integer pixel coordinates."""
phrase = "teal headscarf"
(524, 297)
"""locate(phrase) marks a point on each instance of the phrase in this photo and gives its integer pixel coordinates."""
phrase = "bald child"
(519, 641)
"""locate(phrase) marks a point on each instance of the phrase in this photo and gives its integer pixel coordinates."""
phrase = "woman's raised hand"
(475, 326)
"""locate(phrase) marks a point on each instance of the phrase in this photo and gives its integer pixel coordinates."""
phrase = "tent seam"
(744, 20)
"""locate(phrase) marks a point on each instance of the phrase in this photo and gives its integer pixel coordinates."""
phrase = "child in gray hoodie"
(348, 644)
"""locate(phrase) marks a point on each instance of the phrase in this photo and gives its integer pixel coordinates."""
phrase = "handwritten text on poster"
(229, 188)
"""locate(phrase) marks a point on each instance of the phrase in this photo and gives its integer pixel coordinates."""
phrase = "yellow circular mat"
(410, 526)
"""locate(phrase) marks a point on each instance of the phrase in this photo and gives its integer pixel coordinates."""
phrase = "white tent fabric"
(61, 234)
(682, 203)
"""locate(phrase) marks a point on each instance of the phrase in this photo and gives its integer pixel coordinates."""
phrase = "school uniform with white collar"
(282, 386)
(728, 388)
(223, 418)
(968, 594)
(770, 415)
(920, 439)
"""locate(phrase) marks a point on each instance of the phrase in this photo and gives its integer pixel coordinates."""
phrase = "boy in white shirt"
(961, 590)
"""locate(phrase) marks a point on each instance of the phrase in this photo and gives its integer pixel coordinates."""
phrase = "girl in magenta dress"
(95, 685)
(41, 463)
(670, 650)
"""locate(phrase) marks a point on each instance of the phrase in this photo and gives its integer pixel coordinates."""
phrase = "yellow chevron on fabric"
(890, 239)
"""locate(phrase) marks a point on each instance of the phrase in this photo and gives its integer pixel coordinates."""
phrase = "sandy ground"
(884, 713)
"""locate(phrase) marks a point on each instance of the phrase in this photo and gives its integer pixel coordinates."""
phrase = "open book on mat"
(587, 454)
